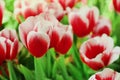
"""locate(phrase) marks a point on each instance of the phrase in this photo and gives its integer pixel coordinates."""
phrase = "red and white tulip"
(83, 20)
(56, 9)
(34, 33)
(9, 44)
(68, 3)
(99, 52)
(103, 26)
(106, 74)
(28, 8)
(61, 38)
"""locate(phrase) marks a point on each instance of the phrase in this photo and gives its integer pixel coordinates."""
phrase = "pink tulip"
(28, 8)
(9, 44)
(83, 20)
(99, 52)
(34, 33)
(61, 38)
(116, 4)
(1, 11)
(103, 26)
(106, 74)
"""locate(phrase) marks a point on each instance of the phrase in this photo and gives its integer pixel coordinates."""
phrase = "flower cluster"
(44, 31)
(86, 37)
(86, 20)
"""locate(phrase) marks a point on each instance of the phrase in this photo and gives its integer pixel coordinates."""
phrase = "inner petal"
(93, 50)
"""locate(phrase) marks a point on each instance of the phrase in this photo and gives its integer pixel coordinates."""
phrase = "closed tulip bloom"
(1, 11)
(116, 4)
(99, 52)
(56, 9)
(83, 20)
(28, 8)
(34, 33)
(106, 74)
(9, 44)
(61, 38)
(103, 26)
(68, 3)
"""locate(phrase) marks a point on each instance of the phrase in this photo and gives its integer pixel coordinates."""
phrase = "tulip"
(56, 9)
(61, 38)
(34, 33)
(83, 20)
(1, 11)
(116, 4)
(9, 44)
(106, 74)
(68, 3)
(103, 26)
(99, 52)
(28, 8)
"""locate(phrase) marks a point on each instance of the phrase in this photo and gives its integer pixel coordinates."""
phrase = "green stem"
(11, 70)
(49, 66)
(63, 68)
(39, 73)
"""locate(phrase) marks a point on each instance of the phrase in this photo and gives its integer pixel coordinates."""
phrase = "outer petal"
(2, 49)
(9, 34)
(8, 47)
(38, 43)
(65, 42)
(103, 26)
(115, 54)
(116, 4)
(14, 49)
(25, 28)
(92, 15)
(54, 37)
(79, 24)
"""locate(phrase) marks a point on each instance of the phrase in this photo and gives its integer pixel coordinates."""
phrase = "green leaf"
(39, 72)
(74, 72)
(11, 70)
(54, 69)
(28, 74)
(49, 64)
(9, 5)
(59, 77)
(63, 67)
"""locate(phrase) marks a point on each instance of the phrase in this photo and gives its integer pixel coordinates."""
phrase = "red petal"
(2, 51)
(64, 45)
(14, 49)
(79, 26)
(38, 43)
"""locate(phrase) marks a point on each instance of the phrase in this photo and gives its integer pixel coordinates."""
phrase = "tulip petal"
(115, 54)
(25, 28)
(9, 34)
(38, 43)
(2, 49)
(14, 49)
(79, 24)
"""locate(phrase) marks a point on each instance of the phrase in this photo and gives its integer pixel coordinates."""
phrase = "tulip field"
(59, 39)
